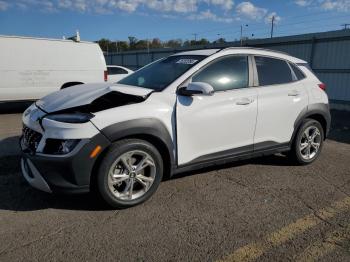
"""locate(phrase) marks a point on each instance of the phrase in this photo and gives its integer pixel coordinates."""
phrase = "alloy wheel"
(310, 142)
(131, 175)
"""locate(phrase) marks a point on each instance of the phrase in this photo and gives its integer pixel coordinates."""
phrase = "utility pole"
(272, 25)
(242, 34)
(195, 37)
(345, 26)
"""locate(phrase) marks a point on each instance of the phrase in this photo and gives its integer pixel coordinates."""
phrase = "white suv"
(183, 112)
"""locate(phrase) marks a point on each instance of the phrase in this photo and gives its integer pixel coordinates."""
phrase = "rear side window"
(116, 71)
(273, 71)
(225, 74)
(299, 75)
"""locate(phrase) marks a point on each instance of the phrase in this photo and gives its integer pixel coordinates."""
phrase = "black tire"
(296, 153)
(117, 150)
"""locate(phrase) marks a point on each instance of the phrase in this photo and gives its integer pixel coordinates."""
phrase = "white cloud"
(46, 5)
(214, 10)
(303, 2)
(268, 18)
(3, 6)
(337, 5)
(208, 15)
(249, 10)
(224, 4)
(185, 6)
(175, 6)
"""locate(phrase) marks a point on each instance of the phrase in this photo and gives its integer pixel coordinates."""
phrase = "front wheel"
(130, 173)
(308, 142)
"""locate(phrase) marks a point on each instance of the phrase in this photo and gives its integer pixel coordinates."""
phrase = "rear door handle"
(244, 101)
(294, 93)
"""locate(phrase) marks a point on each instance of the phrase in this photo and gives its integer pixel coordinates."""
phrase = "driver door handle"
(244, 101)
(294, 93)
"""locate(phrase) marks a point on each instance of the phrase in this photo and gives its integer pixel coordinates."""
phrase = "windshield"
(160, 74)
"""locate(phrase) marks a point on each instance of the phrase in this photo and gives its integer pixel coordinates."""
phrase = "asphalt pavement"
(264, 209)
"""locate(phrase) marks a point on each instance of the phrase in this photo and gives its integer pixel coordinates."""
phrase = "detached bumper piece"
(67, 174)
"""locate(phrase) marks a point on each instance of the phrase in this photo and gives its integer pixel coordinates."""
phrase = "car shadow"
(340, 128)
(17, 195)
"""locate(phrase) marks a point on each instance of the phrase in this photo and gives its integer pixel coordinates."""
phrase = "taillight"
(322, 86)
(106, 76)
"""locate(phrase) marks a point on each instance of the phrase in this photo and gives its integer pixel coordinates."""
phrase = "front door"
(222, 124)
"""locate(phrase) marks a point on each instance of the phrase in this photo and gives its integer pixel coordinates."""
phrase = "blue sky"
(169, 19)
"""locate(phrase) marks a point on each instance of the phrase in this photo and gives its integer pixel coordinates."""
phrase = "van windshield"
(159, 75)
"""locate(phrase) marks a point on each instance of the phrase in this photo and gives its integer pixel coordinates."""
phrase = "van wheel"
(308, 142)
(130, 173)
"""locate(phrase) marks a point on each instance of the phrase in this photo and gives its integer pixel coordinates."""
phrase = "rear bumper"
(65, 174)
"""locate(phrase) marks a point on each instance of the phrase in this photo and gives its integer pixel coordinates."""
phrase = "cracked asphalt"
(258, 210)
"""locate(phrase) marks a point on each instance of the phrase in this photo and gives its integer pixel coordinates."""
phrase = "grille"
(31, 138)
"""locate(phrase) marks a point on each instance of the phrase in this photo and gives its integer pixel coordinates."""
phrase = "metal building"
(327, 53)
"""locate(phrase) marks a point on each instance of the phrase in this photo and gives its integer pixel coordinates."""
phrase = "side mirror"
(196, 88)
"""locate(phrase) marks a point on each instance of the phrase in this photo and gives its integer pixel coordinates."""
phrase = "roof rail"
(255, 48)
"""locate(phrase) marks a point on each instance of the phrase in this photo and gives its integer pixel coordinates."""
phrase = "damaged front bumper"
(69, 173)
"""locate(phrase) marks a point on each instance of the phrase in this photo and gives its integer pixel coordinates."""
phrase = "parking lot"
(258, 210)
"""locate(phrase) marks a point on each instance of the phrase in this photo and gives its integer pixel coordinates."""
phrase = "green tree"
(173, 43)
(156, 43)
(132, 42)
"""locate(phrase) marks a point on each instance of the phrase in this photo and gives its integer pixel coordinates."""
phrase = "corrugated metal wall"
(328, 54)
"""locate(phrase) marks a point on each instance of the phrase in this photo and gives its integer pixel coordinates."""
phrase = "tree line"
(133, 43)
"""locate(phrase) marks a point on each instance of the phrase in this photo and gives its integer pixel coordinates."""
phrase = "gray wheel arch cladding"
(314, 109)
(142, 127)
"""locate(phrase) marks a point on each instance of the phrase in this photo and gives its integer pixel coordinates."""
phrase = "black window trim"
(251, 74)
(256, 79)
(301, 71)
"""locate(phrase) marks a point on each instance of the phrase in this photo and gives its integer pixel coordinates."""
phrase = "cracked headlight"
(60, 146)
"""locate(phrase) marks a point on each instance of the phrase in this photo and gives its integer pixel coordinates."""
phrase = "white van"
(31, 68)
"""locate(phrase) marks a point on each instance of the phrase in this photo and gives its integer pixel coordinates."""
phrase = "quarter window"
(299, 75)
(273, 71)
(225, 74)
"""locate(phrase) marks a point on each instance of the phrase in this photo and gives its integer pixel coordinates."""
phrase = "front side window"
(159, 75)
(225, 74)
(272, 71)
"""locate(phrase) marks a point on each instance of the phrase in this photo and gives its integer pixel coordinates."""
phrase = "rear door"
(281, 97)
(222, 124)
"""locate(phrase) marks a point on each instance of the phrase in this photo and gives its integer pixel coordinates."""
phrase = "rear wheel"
(308, 142)
(130, 173)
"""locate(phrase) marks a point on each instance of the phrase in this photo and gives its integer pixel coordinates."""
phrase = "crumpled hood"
(81, 95)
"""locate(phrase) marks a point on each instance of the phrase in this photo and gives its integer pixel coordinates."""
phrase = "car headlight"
(73, 118)
(60, 146)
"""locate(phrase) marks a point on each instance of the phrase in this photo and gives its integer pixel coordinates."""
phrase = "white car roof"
(245, 50)
(206, 52)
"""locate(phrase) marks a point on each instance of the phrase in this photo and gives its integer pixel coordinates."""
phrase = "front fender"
(138, 127)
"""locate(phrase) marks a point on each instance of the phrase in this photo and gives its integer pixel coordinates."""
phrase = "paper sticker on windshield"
(187, 61)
